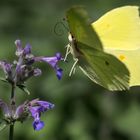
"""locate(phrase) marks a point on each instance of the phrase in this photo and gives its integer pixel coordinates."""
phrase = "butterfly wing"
(81, 29)
(119, 28)
(102, 68)
(131, 58)
(119, 31)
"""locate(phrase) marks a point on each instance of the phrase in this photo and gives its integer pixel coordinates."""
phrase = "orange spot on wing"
(121, 57)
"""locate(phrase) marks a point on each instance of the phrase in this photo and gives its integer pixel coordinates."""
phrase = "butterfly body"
(73, 47)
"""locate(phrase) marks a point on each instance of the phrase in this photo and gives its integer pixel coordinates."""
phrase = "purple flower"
(5, 109)
(37, 72)
(36, 108)
(22, 51)
(45, 105)
(19, 49)
(38, 125)
(19, 111)
(19, 64)
(27, 49)
(53, 61)
(18, 44)
(7, 68)
(36, 113)
(59, 73)
(22, 69)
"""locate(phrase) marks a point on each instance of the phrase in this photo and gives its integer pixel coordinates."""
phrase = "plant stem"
(13, 95)
(11, 132)
(12, 100)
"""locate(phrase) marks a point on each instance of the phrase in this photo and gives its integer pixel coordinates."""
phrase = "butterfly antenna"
(73, 67)
(59, 31)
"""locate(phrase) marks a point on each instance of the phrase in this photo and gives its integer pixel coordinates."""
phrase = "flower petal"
(27, 49)
(19, 50)
(37, 72)
(38, 125)
(53, 62)
(59, 73)
(45, 105)
(5, 108)
(19, 111)
(18, 44)
(35, 111)
(7, 68)
(59, 57)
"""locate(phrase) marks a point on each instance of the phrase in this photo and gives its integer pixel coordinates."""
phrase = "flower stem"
(13, 95)
(11, 132)
(12, 100)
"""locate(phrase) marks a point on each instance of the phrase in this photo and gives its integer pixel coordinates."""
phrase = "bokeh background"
(83, 110)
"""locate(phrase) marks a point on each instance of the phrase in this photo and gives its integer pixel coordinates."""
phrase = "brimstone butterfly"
(92, 46)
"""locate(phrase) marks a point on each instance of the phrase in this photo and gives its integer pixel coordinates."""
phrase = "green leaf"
(3, 124)
(3, 80)
(24, 88)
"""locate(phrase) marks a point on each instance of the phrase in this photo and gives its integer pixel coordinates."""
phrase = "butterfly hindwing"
(131, 59)
(104, 69)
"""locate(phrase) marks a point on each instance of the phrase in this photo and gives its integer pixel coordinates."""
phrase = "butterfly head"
(72, 48)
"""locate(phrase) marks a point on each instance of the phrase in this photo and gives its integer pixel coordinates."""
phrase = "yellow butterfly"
(108, 50)
(119, 32)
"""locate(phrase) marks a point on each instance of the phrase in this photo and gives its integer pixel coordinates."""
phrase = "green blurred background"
(84, 111)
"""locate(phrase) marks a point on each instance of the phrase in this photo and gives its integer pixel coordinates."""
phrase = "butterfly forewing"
(81, 29)
(119, 29)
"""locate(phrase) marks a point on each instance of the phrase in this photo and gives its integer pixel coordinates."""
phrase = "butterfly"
(106, 50)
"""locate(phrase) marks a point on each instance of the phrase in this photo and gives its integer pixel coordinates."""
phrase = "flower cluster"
(22, 69)
(32, 108)
(16, 74)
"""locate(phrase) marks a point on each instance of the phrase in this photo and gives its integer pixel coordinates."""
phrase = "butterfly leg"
(67, 52)
(73, 67)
